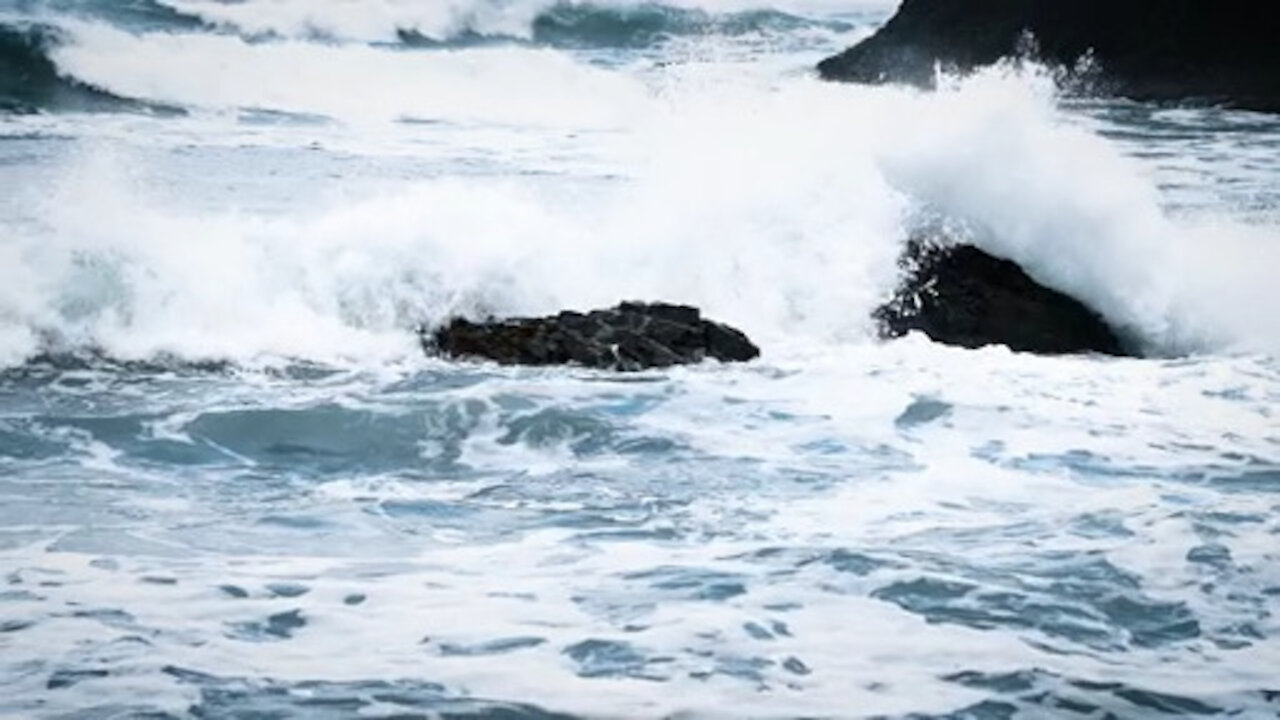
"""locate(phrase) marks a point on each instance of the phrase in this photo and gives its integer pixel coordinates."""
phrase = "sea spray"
(780, 207)
(843, 527)
(593, 23)
(356, 83)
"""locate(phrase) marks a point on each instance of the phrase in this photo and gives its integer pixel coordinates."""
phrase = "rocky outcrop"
(631, 336)
(961, 295)
(1215, 51)
(955, 294)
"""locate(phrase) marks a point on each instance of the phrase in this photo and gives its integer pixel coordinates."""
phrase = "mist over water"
(231, 484)
(806, 198)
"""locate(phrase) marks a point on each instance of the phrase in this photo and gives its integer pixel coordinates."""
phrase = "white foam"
(383, 20)
(379, 20)
(357, 83)
(775, 203)
(1065, 204)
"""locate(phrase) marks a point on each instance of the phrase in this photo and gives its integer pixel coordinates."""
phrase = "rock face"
(631, 336)
(1216, 51)
(960, 295)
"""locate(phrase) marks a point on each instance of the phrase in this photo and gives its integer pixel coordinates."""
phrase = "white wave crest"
(384, 20)
(779, 206)
(369, 20)
(353, 82)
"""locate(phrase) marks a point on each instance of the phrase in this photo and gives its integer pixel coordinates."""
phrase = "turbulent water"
(232, 485)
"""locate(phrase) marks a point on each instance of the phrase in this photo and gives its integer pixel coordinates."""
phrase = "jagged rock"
(1218, 51)
(961, 295)
(631, 336)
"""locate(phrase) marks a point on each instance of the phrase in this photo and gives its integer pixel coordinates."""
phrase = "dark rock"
(1217, 51)
(631, 336)
(960, 295)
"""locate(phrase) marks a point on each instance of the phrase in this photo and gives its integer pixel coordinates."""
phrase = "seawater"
(234, 487)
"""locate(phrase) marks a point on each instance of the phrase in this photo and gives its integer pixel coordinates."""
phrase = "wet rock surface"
(631, 336)
(1221, 52)
(961, 295)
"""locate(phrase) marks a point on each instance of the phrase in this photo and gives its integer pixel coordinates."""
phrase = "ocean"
(232, 485)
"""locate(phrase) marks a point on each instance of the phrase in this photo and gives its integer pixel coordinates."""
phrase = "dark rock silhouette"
(1213, 51)
(631, 336)
(960, 295)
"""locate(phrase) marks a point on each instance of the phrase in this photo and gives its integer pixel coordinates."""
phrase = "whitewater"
(232, 485)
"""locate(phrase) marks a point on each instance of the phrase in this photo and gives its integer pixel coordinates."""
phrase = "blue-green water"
(232, 486)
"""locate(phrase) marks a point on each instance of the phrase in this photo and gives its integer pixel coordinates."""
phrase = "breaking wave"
(29, 79)
(774, 201)
(562, 23)
(778, 209)
(92, 56)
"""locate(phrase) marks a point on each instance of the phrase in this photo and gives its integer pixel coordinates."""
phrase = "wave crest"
(90, 57)
(562, 23)
(29, 79)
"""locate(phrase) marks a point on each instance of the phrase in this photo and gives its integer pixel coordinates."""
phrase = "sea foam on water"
(779, 205)
(332, 522)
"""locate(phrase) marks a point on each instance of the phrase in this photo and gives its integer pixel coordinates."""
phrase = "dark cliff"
(1205, 51)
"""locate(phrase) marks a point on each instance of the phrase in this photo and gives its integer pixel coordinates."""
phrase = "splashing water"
(232, 485)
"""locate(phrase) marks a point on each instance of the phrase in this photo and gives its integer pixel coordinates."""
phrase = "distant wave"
(649, 24)
(29, 79)
(66, 56)
(135, 15)
(560, 23)
(203, 71)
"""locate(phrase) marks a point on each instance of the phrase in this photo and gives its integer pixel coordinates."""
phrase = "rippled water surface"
(1097, 537)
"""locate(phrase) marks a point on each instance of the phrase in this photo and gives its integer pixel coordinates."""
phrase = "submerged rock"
(631, 336)
(1218, 51)
(961, 295)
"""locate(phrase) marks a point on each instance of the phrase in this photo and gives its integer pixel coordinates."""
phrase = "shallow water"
(233, 487)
